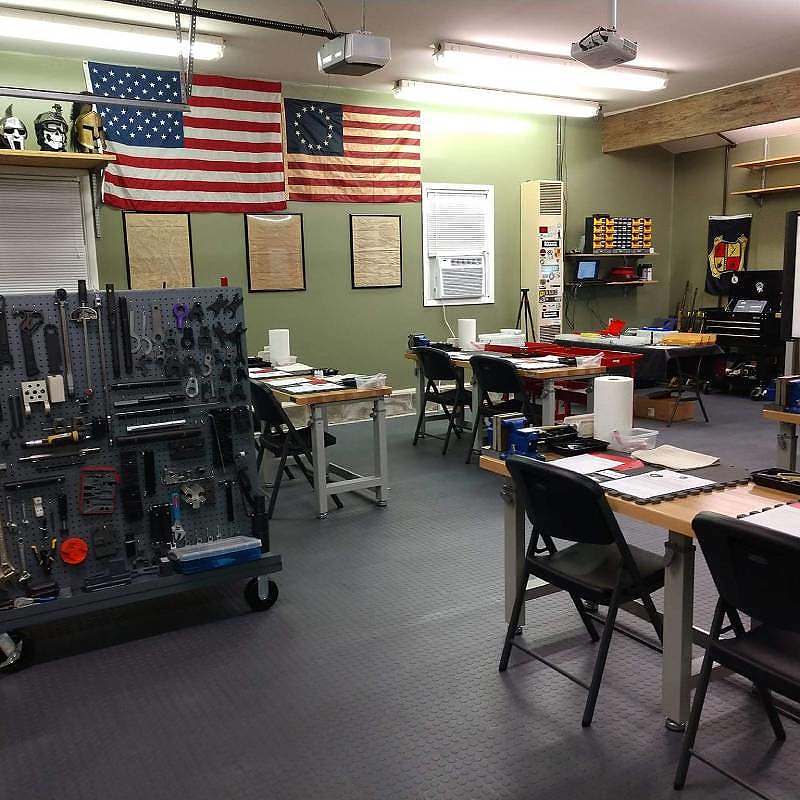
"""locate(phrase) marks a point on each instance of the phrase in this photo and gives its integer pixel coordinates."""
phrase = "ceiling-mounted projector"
(357, 53)
(603, 47)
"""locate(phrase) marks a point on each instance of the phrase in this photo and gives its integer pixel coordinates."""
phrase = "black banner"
(728, 246)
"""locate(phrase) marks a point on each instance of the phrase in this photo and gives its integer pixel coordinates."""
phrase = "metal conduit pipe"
(237, 19)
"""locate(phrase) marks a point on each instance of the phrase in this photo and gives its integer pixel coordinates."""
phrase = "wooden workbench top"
(343, 395)
(776, 415)
(677, 515)
(554, 372)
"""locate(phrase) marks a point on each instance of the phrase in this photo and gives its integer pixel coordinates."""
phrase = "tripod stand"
(525, 309)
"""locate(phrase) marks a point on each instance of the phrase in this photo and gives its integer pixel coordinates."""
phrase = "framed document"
(275, 253)
(376, 253)
(158, 250)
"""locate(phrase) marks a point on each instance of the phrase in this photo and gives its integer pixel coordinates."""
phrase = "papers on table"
(587, 464)
(656, 484)
(265, 373)
(306, 387)
(675, 458)
(785, 519)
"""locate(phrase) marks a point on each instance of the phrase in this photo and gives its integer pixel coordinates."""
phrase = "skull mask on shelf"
(88, 135)
(51, 130)
(13, 132)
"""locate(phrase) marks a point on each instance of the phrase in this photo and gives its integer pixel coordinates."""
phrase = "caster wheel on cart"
(757, 394)
(16, 651)
(255, 598)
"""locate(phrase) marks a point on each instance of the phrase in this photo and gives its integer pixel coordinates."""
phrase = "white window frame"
(87, 209)
(427, 266)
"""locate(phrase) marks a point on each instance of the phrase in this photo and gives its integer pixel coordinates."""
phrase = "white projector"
(356, 53)
(603, 47)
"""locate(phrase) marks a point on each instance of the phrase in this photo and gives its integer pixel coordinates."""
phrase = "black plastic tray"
(577, 447)
(766, 477)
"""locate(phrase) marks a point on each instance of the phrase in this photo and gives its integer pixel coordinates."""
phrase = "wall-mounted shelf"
(609, 255)
(611, 283)
(794, 187)
(765, 163)
(39, 158)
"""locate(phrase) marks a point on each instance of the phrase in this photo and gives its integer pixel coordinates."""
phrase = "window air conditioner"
(456, 277)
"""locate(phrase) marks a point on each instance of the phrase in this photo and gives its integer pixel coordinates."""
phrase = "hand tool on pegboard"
(111, 312)
(61, 302)
(82, 315)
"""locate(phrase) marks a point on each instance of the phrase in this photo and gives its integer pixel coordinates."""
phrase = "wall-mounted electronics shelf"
(609, 255)
(765, 163)
(611, 283)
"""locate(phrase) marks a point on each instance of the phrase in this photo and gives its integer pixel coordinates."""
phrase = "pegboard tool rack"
(185, 346)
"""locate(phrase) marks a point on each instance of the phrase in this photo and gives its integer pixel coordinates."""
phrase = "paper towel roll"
(613, 405)
(279, 346)
(467, 333)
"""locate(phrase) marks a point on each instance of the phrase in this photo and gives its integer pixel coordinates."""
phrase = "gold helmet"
(88, 135)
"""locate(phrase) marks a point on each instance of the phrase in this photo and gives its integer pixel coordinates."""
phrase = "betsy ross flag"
(352, 154)
(224, 155)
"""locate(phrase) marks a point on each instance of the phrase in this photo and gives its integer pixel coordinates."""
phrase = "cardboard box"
(661, 408)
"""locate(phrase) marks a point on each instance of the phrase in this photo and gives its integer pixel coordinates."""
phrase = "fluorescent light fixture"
(550, 74)
(449, 94)
(99, 35)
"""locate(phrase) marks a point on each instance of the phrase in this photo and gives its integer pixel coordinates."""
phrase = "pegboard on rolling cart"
(128, 452)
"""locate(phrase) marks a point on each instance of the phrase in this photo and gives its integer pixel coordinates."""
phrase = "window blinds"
(457, 221)
(42, 238)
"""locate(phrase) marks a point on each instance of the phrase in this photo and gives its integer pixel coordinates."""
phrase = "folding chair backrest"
(436, 364)
(563, 504)
(495, 375)
(756, 570)
(268, 411)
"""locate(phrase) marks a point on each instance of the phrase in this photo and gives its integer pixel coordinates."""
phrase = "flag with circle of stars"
(314, 128)
(138, 127)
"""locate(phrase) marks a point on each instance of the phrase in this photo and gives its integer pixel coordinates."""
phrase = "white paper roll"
(613, 405)
(467, 333)
(279, 346)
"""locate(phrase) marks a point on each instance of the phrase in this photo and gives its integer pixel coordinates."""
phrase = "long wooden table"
(548, 377)
(676, 517)
(317, 404)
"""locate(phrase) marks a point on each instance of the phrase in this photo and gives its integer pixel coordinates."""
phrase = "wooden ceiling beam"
(770, 99)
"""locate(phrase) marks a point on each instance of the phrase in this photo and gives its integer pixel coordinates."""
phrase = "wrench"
(24, 575)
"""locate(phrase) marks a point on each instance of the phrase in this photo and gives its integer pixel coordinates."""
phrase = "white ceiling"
(704, 44)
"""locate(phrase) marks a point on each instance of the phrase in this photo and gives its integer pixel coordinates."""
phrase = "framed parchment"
(158, 250)
(376, 253)
(275, 253)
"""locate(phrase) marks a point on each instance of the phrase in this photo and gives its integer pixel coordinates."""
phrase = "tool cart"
(129, 468)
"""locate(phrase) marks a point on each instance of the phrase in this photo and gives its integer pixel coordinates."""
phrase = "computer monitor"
(587, 270)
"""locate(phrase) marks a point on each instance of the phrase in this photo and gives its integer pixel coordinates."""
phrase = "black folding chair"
(755, 571)
(277, 435)
(600, 567)
(497, 375)
(436, 366)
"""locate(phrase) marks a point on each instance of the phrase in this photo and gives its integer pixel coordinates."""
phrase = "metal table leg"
(678, 630)
(514, 547)
(320, 459)
(380, 450)
(549, 402)
(787, 446)
(419, 400)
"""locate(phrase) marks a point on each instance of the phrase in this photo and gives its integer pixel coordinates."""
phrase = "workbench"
(548, 377)
(787, 436)
(675, 516)
(317, 404)
(655, 363)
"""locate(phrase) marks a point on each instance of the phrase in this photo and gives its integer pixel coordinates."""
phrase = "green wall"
(365, 330)
(699, 178)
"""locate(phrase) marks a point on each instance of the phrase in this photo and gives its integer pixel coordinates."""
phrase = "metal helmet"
(51, 130)
(88, 135)
(13, 132)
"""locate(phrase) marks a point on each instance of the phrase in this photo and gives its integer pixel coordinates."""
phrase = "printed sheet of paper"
(586, 464)
(159, 251)
(275, 252)
(785, 519)
(376, 251)
(656, 484)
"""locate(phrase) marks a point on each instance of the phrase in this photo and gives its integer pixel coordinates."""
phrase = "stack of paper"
(785, 519)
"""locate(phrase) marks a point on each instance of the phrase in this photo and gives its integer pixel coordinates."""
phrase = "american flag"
(352, 154)
(224, 155)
